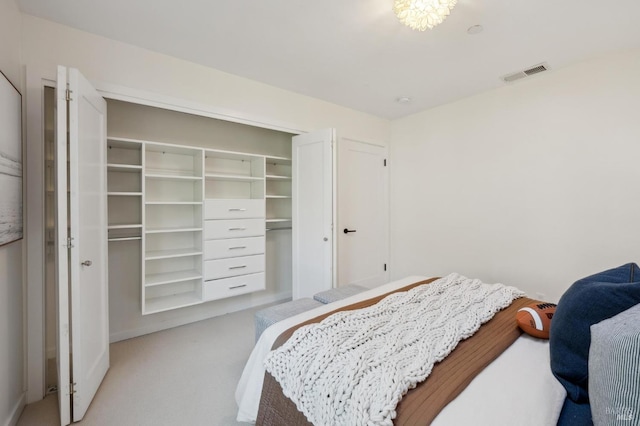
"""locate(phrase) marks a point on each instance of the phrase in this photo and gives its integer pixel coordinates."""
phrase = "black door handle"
(346, 231)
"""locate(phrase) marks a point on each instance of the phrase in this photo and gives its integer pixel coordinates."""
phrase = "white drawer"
(217, 229)
(233, 209)
(221, 249)
(223, 268)
(228, 287)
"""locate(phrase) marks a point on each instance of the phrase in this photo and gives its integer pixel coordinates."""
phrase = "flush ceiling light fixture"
(422, 14)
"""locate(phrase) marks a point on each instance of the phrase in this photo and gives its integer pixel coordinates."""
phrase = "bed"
(503, 378)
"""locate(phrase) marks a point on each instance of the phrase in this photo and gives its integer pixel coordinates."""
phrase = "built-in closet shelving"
(200, 214)
(124, 189)
(172, 212)
(234, 231)
(193, 201)
(278, 192)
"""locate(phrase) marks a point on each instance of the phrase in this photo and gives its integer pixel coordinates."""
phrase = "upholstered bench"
(271, 315)
(338, 293)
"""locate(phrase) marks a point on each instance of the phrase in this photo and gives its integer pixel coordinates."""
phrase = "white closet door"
(62, 252)
(363, 204)
(87, 219)
(313, 213)
(89, 254)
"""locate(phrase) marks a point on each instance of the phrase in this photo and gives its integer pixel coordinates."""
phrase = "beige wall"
(535, 184)
(47, 44)
(10, 64)
(11, 271)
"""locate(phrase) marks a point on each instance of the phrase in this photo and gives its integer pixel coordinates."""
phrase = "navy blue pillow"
(587, 302)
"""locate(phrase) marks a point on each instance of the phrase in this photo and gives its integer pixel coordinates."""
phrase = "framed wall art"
(10, 162)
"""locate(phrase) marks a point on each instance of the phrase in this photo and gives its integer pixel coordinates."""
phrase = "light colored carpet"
(182, 376)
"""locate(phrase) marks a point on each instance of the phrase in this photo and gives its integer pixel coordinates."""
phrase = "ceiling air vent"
(525, 73)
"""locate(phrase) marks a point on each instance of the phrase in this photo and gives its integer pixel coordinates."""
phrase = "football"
(535, 319)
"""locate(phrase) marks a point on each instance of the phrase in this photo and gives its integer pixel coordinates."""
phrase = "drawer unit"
(223, 268)
(228, 287)
(234, 209)
(221, 249)
(218, 229)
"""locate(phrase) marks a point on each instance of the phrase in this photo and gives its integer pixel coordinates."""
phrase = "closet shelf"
(173, 253)
(270, 159)
(118, 167)
(167, 174)
(278, 177)
(173, 203)
(171, 277)
(236, 178)
(172, 229)
(278, 219)
(174, 301)
(124, 143)
(231, 155)
(124, 194)
(278, 196)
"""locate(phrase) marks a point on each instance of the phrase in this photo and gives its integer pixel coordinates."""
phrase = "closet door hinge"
(72, 388)
(68, 95)
(69, 243)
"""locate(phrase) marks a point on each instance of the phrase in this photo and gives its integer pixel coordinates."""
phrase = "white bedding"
(492, 398)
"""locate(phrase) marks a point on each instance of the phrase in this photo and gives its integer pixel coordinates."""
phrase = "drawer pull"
(237, 248)
(237, 229)
(237, 210)
(237, 286)
(238, 267)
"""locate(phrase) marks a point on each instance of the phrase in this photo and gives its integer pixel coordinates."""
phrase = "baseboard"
(230, 306)
(14, 416)
(268, 299)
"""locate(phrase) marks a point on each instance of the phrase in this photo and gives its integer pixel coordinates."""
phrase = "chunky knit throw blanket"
(354, 367)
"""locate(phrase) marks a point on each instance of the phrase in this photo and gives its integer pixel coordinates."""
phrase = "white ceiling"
(354, 52)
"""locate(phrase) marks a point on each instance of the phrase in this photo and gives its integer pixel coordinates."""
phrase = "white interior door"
(88, 316)
(313, 213)
(363, 236)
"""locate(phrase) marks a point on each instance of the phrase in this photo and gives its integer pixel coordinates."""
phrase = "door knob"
(346, 231)
(86, 263)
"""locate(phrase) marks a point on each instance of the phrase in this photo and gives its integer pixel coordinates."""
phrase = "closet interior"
(199, 218)
(199, 208)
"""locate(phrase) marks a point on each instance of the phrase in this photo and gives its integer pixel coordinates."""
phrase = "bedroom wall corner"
(533, 184)
(12, 337)
(105, 62)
